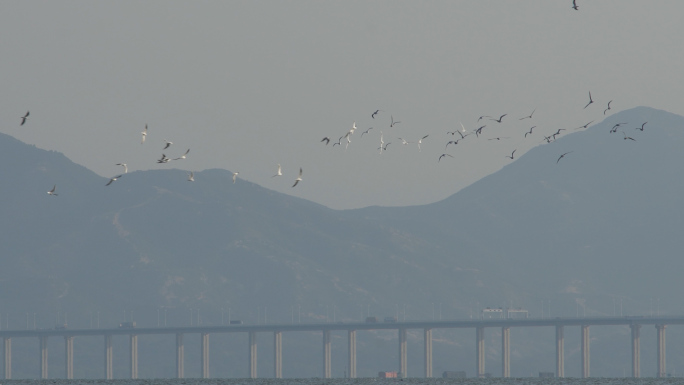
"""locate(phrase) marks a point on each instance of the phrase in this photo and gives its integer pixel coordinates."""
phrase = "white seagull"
(113, 179)
(299, 178)
(235, 174)
(279, 172)
(52, 192)
(191, 177)
(167, 144)
(144, 135)
(124, 166)
(421, 141)
(182, 156)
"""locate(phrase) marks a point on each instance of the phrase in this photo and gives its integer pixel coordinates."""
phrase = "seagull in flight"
(481, 117)
(167, 144)
(52, 192)
(615, 127)
(403, 141)
(511, 154)
(642, 127)
(365, 132)
(339, 142)
(454, 142)
(375, 113)
(113, 179)
(191, 177)
(528, 117)
(421, 141)
(299, 178)
(499, 120)
(561, 157)
(574, 5)
(279, 172)
(557, 133)
(144, 135)
(479, 131)
(628, 137)
(585, 126)
(606, 110)
(24, 118)
(393, 122)
(530, 131)
(163, 159)
(182, 156)
(124, 166)
(442, 156)
(235, 174)
(326, 140)
(590, 100)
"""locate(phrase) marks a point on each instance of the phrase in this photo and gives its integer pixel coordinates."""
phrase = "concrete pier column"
(505, 352)
(252, 355)
(8, 358)
(204, 360)
(133, 339)
(560, 351)
(327, 361)
(480, 352)
(636, 350)
(278, 355)
(661, 351)
(69, 357)
(108, 367)
(586, 342)
(180, 355)
(403, 362)
(428, 352)
(43, 357)
(351, 342)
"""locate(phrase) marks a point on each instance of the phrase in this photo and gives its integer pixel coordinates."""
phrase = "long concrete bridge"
(634, 322)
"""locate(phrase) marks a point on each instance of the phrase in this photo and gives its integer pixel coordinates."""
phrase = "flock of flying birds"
(457, 136)
(454, 138)
(163, 159)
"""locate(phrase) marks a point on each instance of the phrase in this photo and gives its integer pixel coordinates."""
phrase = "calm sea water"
(363, 381)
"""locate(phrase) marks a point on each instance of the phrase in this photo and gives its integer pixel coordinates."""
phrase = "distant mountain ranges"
(601, 225)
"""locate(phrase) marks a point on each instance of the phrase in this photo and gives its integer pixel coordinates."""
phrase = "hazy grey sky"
(246, 85)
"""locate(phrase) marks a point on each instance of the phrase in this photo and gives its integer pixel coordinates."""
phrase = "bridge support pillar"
(278, 355)
(180, 355)
(351, 342)
(69, 357)
(506, 352)
(560, 351)
(327, 360)
(428, 352)
(205, 355)
(252, 355)
(8, 358)
(661, 351)
(403, 363)
(108, 372)
(133, 342)
(480, 353)
(43, 357)
(636, 350)
(586, 342)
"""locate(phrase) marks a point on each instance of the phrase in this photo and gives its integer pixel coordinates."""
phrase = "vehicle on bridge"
(127, 325)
